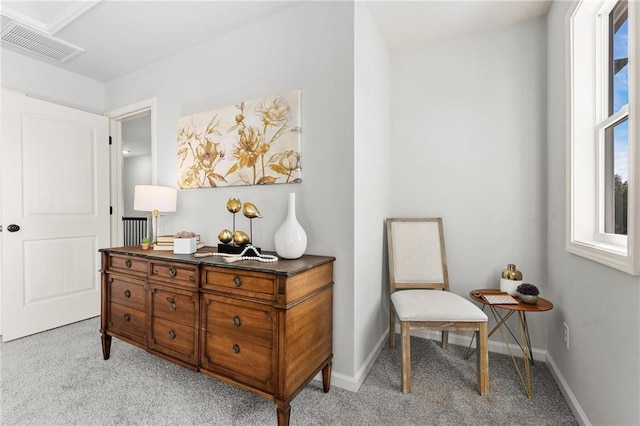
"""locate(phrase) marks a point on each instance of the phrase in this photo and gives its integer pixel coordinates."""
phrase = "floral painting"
(252, 143)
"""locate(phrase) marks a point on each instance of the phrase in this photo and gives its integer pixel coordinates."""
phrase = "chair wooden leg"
(445, 339)
(483, 359)
(406, 356)
(392, 327)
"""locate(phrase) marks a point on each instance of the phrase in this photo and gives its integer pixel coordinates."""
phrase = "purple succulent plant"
(529, 289)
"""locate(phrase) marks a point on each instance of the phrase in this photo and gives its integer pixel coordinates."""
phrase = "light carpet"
(58, 377)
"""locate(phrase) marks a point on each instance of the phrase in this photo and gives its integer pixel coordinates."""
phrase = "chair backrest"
(416, 252)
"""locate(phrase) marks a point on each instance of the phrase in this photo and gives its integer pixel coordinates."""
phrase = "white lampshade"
(156, 199)
(150, 198)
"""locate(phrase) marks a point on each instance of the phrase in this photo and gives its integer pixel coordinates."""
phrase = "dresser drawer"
(173, 339)
(251, 321)
(175, 305)
(127, 292)
(175, 273)
(129, 322)
(245, 283)
(128, 264)
(239, 359)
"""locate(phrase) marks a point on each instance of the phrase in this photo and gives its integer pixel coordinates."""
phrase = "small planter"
(528, 293)
(145, 246)
(529, 299)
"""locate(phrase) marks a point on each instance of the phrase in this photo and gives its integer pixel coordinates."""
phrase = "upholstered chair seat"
(435, 305)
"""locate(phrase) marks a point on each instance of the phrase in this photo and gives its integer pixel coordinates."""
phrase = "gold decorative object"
(511, 278)
(250, 210)
(511, 273)
(225, 236)
(241, 238)
(233, 240)
(234, 205)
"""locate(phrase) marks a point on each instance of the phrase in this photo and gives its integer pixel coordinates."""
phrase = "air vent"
(41, 44)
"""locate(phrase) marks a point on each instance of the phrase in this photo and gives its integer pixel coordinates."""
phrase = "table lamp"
(155, 199)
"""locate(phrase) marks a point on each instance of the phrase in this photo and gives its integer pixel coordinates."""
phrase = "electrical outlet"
(566, 334)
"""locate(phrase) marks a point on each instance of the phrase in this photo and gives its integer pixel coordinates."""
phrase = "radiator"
(135, 229)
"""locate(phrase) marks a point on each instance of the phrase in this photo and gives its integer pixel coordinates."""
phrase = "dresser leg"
(326, 377)
(284, 413)
(106, 345)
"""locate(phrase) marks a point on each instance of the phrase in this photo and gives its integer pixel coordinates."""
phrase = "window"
(603, 158)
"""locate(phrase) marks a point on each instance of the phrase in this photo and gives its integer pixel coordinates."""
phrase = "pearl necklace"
(230, 258)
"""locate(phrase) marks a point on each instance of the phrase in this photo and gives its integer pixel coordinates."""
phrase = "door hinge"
(110, 141)
(110, 210)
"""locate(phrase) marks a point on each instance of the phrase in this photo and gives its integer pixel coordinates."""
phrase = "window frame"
(588, 118)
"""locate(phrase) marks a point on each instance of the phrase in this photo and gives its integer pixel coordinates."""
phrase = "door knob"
(13, 228)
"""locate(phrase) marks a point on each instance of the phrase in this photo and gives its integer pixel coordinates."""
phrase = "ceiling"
(410, 24)
(119, 37)
(122, 36)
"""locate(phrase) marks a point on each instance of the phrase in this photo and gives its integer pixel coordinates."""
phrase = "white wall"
(49, 83)
(135, 171)
(309, 47)
(372, 171)
(600, 304)
(468, 146)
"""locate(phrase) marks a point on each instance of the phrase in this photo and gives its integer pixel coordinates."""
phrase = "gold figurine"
(234, 205)
(250, 210)
(225, 236)
(240, 238)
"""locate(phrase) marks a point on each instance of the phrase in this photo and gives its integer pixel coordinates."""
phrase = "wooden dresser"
(264, 327)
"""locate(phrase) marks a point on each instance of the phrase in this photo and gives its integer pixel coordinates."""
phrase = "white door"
(55, 188)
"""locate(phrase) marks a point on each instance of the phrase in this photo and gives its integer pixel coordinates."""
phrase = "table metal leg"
(524, 343)
(526, 351)
(499, 322)
(524, 319)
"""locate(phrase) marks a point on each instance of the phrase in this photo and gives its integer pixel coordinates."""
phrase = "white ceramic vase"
(290, 239)
(510, 286)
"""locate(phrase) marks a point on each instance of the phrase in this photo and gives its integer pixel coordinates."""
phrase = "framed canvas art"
(255, 142)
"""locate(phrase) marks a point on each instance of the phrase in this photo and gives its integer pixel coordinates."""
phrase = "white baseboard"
(353, 383)
(576, 409)
(494, 346)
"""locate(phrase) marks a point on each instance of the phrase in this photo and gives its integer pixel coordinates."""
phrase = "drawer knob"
(127, 294)
(172, 334)
(127, 263)
(237, 281)
(127, 317)
(172, 304)
(236, 349)
(173, 271)
(236, 321)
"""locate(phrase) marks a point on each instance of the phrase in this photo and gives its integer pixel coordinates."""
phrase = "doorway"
(132, 129)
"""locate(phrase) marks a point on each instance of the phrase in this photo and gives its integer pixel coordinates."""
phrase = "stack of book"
(165, 242)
